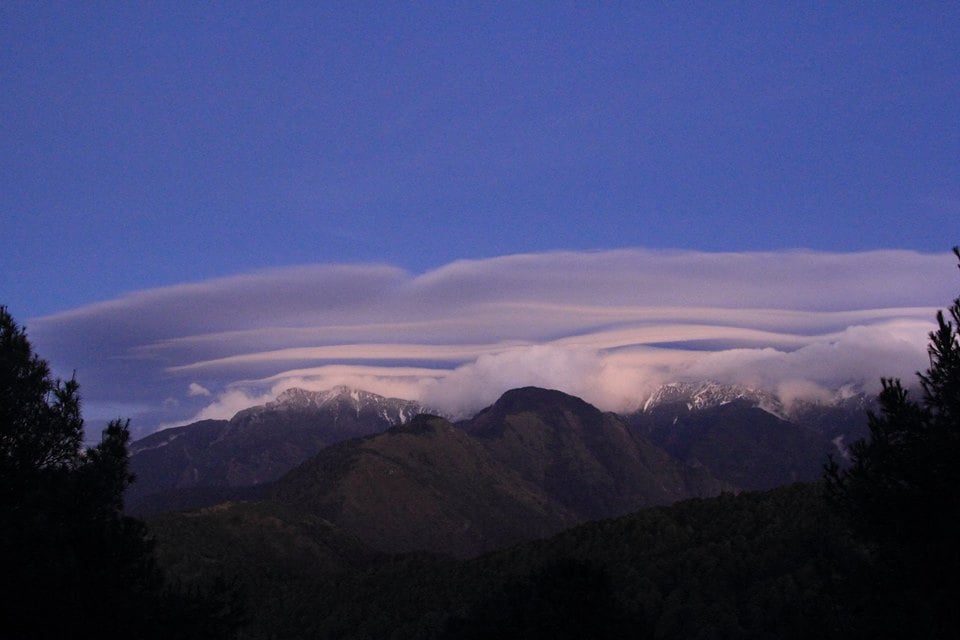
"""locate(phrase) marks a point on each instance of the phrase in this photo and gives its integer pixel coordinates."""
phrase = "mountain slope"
(738, 443)
(426, 486)
(583, 459)
(754, 565)
(705, 395)
(749, 437)
(746, 437)
(256, 446)
(534, 463)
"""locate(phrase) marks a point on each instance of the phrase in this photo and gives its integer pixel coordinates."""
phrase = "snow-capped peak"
(702, 395)
(343, 398)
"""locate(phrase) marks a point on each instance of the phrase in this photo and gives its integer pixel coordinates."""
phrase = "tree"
(72, 564)
(901, 495)
(40, 424)
(564, 598)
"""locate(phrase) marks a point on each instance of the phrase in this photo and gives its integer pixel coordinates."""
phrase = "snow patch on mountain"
(139, 447)
(342, 399)
(705, 395)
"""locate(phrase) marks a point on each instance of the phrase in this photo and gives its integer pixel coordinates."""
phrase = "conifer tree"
(901, 495)
(72, 565)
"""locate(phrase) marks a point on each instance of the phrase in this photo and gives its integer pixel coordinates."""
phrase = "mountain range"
(539, 512)
(210, 460)
(534, 463)
(399, 479)
(749, 438)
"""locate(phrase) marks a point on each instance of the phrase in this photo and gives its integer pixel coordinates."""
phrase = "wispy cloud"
(197, 390)
(608, 326)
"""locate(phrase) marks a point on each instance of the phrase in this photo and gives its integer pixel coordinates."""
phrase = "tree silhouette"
(900, 495)
(72, 564)
(565, 598)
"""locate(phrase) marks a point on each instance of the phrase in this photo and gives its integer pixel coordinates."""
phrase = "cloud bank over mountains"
(607, 326)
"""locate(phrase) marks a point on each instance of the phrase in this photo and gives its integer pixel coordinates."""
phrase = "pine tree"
(71, 563)
(901, 495)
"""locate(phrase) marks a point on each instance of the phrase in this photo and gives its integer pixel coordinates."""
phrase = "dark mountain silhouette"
(533, 464)
(737, 442)
(744, 437)
(747, 437)
(426, 485)
(583, 459)
(214, 460)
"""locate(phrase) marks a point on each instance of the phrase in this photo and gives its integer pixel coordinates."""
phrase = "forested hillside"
(756, 565)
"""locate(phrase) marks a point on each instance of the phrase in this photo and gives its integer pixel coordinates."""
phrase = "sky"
(202, 203)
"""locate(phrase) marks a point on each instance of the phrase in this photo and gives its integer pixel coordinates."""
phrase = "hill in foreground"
(756, 565)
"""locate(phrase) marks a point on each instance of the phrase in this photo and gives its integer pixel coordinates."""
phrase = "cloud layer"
(608, 326)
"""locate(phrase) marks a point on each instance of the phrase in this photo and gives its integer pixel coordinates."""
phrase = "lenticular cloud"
(607, 326)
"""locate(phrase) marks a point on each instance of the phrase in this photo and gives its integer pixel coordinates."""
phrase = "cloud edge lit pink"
(608, 326)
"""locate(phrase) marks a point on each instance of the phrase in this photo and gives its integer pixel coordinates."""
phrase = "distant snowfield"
(610, 327)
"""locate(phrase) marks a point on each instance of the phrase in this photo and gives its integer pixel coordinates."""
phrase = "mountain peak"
(422, 424)
(298, 397)
(261, 443)
(344, 400)
(536, 398)
(703, 395)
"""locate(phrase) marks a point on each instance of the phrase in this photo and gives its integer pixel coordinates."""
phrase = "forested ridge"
(869, 551)
(753, 565)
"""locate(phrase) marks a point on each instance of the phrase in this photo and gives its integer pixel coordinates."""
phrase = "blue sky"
(151, 145)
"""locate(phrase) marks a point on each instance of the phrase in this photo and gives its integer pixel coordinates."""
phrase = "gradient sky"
(145, 147)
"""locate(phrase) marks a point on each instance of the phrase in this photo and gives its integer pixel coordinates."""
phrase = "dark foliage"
(758, 565)
(900, 497)
(566, 598)
(73, 565)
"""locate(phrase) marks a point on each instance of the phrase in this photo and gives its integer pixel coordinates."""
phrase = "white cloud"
(607, 326)
(229, 403)
(197, 390)
(480, 382)
(859, 354)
